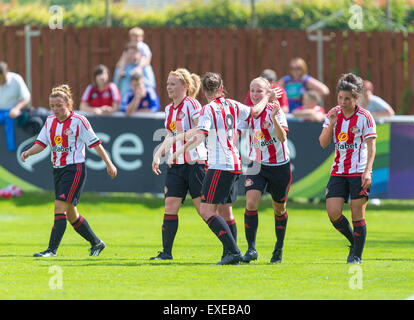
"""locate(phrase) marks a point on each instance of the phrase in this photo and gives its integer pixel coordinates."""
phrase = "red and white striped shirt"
(179, 119)
(219, 121)
(67, 139)
(349, 136)
(265, 147)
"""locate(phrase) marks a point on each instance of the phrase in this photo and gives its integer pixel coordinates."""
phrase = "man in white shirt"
(14, 96)
(374, 104)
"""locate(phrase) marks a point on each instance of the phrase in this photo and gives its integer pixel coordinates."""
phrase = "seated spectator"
(14, 97)
(271, 76)
(136, 37)
(310, 111)
(298, 82)
(101, 97)
(140, 98)
(374, 104)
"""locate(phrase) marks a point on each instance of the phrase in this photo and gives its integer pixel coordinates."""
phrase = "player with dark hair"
(218, 123)
(67, 133)
(353, 131)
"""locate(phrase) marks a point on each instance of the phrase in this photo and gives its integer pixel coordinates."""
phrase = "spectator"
(310, 111)
(271, 76)
(122, 77)
(374, 104)
(298, 82)
(140, 98)
(14, 96)
(101, 97)
(136, 37)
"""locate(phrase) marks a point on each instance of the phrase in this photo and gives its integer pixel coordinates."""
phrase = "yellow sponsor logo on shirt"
(343, 137)
(58, 139)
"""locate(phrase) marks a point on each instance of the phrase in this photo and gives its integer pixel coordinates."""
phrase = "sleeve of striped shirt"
(370, 129)
(194, 109)
(87, 134)
(281, 117)
(41, 139)
(244, 111)
(205, 120)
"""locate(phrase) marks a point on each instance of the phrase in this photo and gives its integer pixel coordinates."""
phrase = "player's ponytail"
(65, 93)
(212, 82)
(194, 86)
(350, 82)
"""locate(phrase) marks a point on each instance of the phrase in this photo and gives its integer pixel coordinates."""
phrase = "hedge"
(214, 13)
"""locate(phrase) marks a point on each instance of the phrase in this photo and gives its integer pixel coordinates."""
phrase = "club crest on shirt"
(343, 137)
(58, 139)
(68, 132)
(173, 126)
(181, 115)
(266, 125)
(355, 130)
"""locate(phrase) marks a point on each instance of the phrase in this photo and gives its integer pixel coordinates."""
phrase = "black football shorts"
(346, 187)
(183, 178)
(69, 182)
(219, 187)
(275, 180)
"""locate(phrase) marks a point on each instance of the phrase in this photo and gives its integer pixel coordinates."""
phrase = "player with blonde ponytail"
(186, 174)
(67, 133)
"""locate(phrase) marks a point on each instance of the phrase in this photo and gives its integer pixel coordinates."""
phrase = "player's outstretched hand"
(24, 156)
(276, 108)
(156, 166)
(112, 171)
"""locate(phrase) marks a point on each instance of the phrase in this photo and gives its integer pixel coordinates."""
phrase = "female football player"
(353, 132)
(186, 173)
(269, 169)
(67, 133)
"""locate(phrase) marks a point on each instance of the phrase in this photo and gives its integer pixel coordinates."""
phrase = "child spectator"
(136, 37)
(139, 98)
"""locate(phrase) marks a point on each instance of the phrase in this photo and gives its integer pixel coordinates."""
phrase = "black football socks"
(360, 234)
(343, 226)
(280, 229)
(82, 227)
(233, 228)
(251, 222)
(223, 233)
(169, 230)
(58, 230)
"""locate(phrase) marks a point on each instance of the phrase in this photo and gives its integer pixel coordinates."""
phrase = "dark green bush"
(214, 13)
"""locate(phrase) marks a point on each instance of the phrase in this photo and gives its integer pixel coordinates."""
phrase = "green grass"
(313, 264)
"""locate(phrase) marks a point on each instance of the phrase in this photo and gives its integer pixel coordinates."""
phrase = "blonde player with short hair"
(269, 169)
(67, 133)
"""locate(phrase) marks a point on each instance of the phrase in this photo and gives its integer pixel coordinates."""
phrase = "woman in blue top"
(298, 82)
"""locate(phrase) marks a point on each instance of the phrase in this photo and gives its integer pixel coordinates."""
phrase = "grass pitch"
(313, 262)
